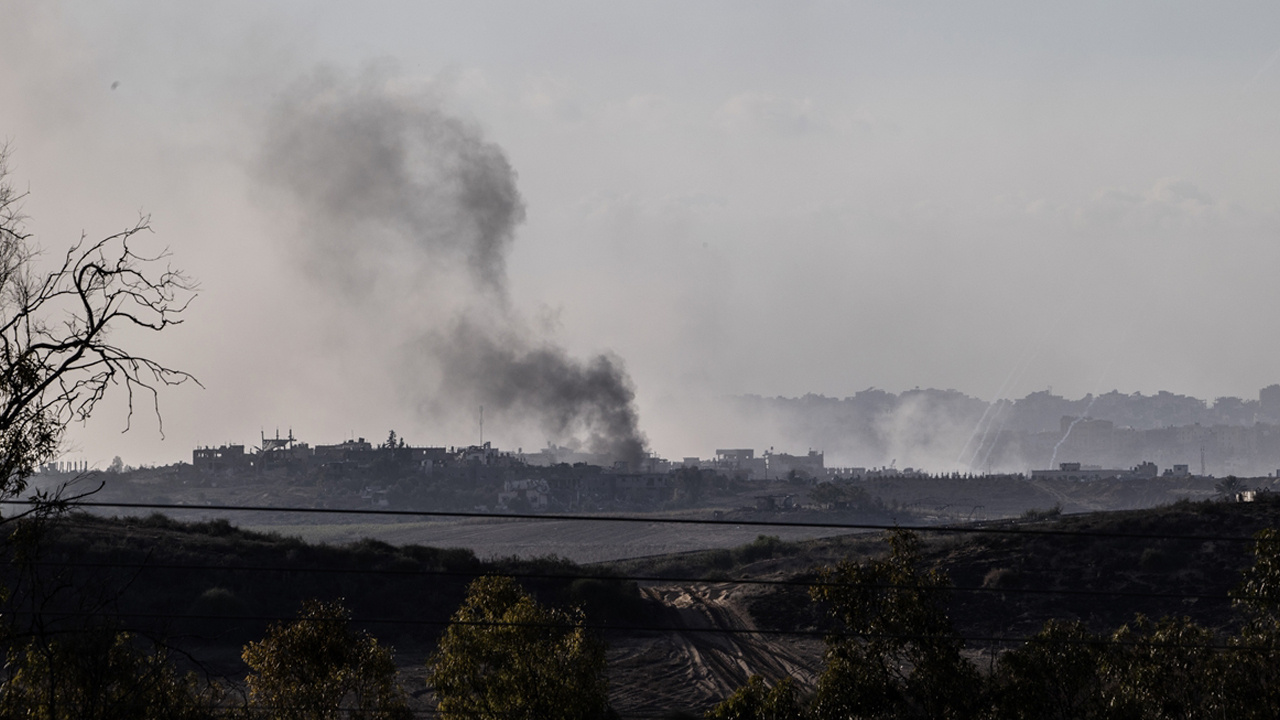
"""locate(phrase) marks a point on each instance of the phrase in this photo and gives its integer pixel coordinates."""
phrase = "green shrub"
(1039, 514)
(762, 548)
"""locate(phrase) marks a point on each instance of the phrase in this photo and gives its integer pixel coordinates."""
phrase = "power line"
(545, 517)
(625, 578)
(416, 712)
(426, 712)
(993, 639)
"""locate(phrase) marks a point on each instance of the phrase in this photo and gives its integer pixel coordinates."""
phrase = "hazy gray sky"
(732, 197)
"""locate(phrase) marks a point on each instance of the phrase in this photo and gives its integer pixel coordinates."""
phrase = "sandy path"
(691, 669)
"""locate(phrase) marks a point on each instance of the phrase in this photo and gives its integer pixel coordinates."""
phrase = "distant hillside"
(945, 430)
(215, 586)
(1180, 559)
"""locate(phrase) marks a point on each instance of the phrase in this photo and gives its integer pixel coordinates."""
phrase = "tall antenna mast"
(482, 426)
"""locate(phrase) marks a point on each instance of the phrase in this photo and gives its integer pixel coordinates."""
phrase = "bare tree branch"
(58, 357)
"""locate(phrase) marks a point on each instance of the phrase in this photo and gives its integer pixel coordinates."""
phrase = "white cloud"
(1169, 204)
(755, 112)
(551, 99)
(649, 106)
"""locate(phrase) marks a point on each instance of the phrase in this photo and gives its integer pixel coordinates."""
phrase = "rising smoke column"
(394, 196)
(568, 397)
(380, 176)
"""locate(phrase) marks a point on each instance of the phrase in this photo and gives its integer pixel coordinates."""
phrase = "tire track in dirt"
(692, 669)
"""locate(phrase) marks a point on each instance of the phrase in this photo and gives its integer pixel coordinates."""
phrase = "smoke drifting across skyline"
(407, 215)
(763, 201)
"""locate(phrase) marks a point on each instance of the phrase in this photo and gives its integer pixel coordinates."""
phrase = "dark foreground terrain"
(684, 630)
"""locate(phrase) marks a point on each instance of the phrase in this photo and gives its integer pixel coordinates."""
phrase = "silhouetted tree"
(318, 668)
(896, 654)
(1165, 670)
(1056, 675)
(98, 674)
(507, 657)
(756, 701)
(60, 354)
(1228, 486)
(59, 329)
(1255, 656)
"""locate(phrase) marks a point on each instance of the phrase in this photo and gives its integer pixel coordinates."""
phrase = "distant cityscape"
(947, 429)
(284, 452)
(939, 432)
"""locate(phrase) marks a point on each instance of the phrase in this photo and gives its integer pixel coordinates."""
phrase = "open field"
(581, 541)
(906, 500)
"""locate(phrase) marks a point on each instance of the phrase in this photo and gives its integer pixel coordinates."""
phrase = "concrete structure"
(1076, 471)
(534, 492)
(741, 462)
(770, 503)
(226, 458)
(782, 465)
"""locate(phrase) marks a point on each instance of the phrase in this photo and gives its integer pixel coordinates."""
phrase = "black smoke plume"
(384, 178)
(568, 397)
(396, 198)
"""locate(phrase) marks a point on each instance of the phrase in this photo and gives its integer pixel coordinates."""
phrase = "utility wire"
(994, 639)
(544, 517)
(622, 578)
(425, 712)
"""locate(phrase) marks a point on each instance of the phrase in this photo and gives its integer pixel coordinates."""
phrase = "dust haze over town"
(674, 230)
(651, 317)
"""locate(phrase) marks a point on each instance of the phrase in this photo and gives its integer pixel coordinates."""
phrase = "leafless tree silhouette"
(59, 330)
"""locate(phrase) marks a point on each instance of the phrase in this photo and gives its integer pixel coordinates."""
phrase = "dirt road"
(697, 666)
